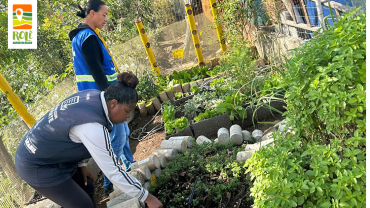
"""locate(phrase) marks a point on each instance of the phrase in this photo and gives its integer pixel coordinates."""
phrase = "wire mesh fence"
(172, 44)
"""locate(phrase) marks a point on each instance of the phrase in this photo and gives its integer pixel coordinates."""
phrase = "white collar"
(104, 103)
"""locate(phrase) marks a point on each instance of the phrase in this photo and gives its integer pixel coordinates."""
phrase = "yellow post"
(221, 38)
(16, 102)
(147, 47)
(194, 33)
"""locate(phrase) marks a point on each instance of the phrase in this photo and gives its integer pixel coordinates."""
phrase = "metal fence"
(172, 43)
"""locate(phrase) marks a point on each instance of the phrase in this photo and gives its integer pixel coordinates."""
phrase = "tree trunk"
(22, 191)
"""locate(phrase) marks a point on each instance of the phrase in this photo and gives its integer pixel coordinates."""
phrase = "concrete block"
(131, 203)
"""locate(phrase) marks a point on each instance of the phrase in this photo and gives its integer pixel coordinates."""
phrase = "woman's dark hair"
(91, 5)
(124, 90)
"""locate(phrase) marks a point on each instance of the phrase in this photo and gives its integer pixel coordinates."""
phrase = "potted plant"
(148, 91)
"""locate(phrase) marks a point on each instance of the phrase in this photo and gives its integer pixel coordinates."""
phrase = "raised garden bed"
(206, 127)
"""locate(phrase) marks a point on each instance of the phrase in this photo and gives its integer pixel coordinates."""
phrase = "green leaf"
(352, 100)
(319, 189)
(304, 186)
(292, 203)
(358, 56)
(325, 204)
(300, 200)
(344, 204)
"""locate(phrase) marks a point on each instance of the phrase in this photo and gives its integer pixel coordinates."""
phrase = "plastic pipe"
(16, 102)
(221, 38)
(194, 32)
(147, 47)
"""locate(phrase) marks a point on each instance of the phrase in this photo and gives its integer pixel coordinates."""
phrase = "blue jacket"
(84, 78)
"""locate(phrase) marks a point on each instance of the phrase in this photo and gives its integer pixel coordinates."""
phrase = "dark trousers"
(72, 193)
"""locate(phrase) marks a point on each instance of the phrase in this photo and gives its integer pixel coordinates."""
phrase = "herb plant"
(232, 105)
(147, 88)
(323, 163)
(190, 109)
(221, 179)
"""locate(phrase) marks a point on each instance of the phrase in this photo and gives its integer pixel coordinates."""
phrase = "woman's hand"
(85, 172)
(153, 202)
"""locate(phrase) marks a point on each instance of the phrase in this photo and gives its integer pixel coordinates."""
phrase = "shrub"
(147, 88)
(322, 162)
(326, 78)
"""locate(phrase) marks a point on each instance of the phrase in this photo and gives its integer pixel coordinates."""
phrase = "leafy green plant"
(271, 84)
(195, 89)
(322, 161)
(170, 127)
(162, 81)
(221, 179)
(180, 77)
(326, 81)
(169, 112)
(206, 115)
(178, 95)
(190, 108)
(147, 88)
(309, 174)
(232, 105)
(199, 72)
(181, 124)
(217, 82)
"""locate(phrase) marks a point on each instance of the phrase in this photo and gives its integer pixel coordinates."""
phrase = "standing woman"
(95, 69)
(50, 156)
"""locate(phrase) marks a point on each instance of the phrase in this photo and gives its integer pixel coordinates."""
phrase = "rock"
(147, 185)
(131, 203)
(117, 200)
(177, 88)
(157, 172)
(170, 94)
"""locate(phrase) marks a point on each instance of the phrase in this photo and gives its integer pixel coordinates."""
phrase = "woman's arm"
(95, 137)
(93, 56)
